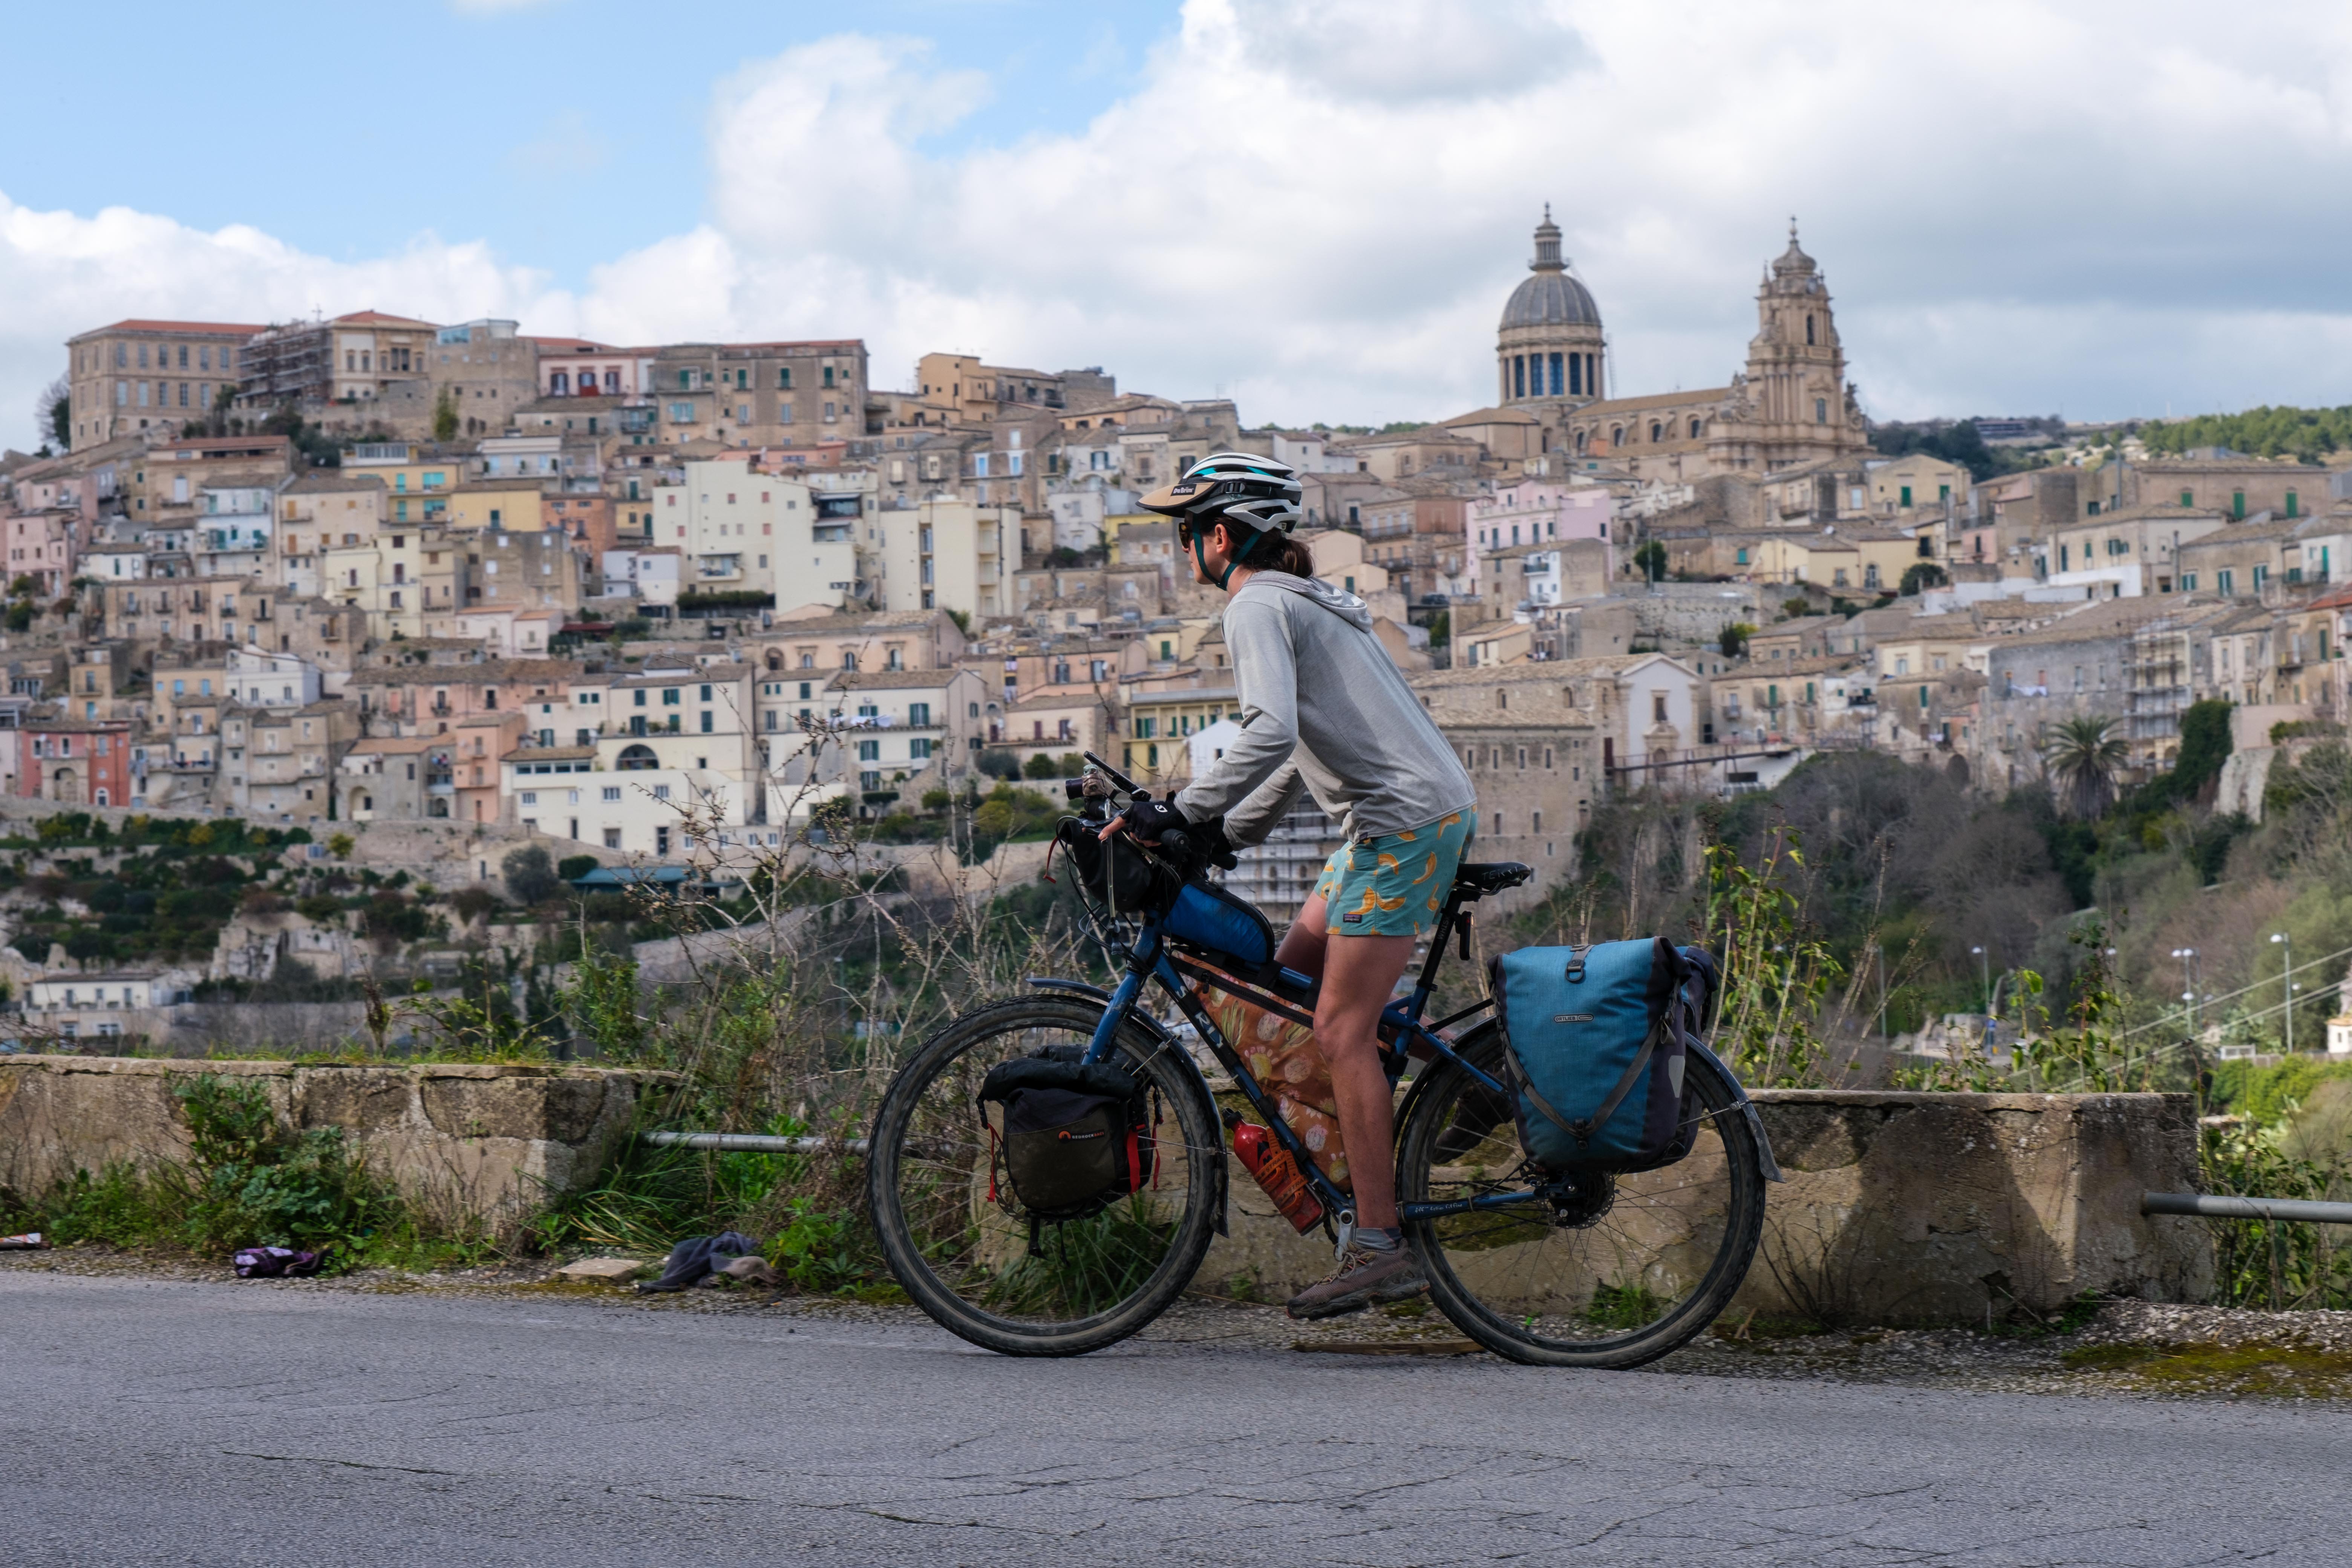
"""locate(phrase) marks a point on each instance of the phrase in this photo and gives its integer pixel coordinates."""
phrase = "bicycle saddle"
(1483, 877)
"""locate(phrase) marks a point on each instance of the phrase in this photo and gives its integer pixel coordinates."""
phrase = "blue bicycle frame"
(1148, 959)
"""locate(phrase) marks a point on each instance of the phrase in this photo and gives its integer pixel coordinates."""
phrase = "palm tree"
(2086, 754)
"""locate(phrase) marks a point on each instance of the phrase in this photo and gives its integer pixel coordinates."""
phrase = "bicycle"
(1581, 1270)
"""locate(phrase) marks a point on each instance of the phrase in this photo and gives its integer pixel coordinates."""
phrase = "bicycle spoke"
(1588, 1268)
(982, 1262)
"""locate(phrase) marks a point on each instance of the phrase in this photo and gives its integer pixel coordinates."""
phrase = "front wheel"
(1602, 1271)
(955, 1234)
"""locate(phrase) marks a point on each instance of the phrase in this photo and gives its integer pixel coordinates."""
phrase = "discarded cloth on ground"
(275, 1262)
(697, 1256)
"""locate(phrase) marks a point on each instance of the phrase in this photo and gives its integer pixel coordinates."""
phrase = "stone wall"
(1905, 1207)
(478, 1140)
(1696, 612)
(1910, 1208)
(1899, 1207)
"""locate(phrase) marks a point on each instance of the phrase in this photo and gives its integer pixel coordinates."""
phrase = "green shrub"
(248, 1183)
(571, 868)
(825, 1251)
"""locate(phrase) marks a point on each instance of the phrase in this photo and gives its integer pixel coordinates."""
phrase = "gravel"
(2133, 1349)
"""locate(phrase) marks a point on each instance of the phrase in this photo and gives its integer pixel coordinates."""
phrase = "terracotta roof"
(140, 324)
(1708, 394)
(489, 672)
(380, 319)
(367, 745)
(891, 680)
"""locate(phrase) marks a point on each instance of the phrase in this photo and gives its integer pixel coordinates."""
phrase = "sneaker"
(1365, 1278)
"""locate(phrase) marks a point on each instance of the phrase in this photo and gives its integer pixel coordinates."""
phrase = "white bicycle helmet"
(1259, 494)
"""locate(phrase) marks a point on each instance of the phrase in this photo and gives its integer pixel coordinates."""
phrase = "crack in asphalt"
(349, 1464)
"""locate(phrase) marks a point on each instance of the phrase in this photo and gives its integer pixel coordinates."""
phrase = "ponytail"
(1280, 552)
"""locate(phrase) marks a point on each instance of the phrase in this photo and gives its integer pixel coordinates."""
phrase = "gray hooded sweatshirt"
(1323, 709)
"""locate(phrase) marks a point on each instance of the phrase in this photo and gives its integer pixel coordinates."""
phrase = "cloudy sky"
(1314, 206)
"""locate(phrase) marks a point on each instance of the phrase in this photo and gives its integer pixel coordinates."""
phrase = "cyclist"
(1325, 712)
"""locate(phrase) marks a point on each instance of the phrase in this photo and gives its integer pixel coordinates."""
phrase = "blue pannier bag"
(1596, 1040)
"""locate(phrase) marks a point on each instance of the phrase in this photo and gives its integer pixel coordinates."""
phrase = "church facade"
(1790, 407)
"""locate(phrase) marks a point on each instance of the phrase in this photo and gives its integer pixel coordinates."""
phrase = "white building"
(649, 574)
(949, 554)
(95, 1005)
(740, 529)
(899, 729)
(115, 562)
(233, 530)
(260, 678)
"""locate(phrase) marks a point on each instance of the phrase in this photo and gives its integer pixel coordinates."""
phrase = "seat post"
(1446, 920)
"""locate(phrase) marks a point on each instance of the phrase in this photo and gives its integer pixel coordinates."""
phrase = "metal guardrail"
(753, 1142)
(2205, 1207)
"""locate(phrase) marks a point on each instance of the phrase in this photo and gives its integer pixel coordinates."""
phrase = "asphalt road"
(151, 1422)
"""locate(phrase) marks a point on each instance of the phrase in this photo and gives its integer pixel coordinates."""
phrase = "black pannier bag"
(1074, 1137)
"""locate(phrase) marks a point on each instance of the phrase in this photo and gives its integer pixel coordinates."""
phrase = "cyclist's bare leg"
(1302, 944)
(1358, 974)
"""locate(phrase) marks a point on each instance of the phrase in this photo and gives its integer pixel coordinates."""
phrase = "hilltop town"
(367, 569)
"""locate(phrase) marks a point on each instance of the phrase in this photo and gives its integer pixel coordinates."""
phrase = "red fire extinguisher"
(1277, 1172)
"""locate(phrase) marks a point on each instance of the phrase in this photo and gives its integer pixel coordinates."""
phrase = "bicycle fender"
(1712, 1063)
(1161, 1035)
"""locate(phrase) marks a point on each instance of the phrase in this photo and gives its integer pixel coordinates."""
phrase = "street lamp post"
(2188, 956)
(1984, 963)
(2287, 983)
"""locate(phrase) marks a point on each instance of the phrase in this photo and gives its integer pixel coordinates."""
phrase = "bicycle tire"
(1506, 1280)
(949, 1275)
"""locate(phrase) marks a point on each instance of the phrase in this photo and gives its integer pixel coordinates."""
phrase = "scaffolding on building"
(286, 363)
(2157, 690)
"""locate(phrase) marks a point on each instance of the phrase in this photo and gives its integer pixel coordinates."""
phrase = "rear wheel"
(955, 1234)
(1600, 1270)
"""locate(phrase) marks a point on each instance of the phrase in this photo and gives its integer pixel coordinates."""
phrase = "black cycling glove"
(1215, 846)
(1148, 819)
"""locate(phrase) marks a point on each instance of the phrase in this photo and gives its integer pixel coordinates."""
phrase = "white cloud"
(1320, 204)
(61, 273)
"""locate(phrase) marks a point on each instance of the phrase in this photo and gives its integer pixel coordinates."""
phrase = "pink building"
(576, 367)
(1536, 512)
(43, 546)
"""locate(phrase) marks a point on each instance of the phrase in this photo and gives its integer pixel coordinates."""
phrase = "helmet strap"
(1241, 548)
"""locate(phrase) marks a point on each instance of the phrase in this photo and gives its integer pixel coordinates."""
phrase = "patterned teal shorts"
(1393, 885)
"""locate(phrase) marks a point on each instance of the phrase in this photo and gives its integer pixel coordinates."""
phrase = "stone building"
(139, 374)
(1548, 345)
(1791, 403)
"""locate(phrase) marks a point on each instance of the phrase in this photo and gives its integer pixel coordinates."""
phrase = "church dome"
(1794, 262)
(1552, 298)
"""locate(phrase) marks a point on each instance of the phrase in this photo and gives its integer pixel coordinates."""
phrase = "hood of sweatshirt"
(1348, 606)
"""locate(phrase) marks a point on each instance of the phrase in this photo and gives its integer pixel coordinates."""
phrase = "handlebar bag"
(1071, 1138)
(1114, 873)
(1596, 1052)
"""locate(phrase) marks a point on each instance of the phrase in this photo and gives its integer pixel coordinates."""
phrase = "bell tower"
(1797, 407)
